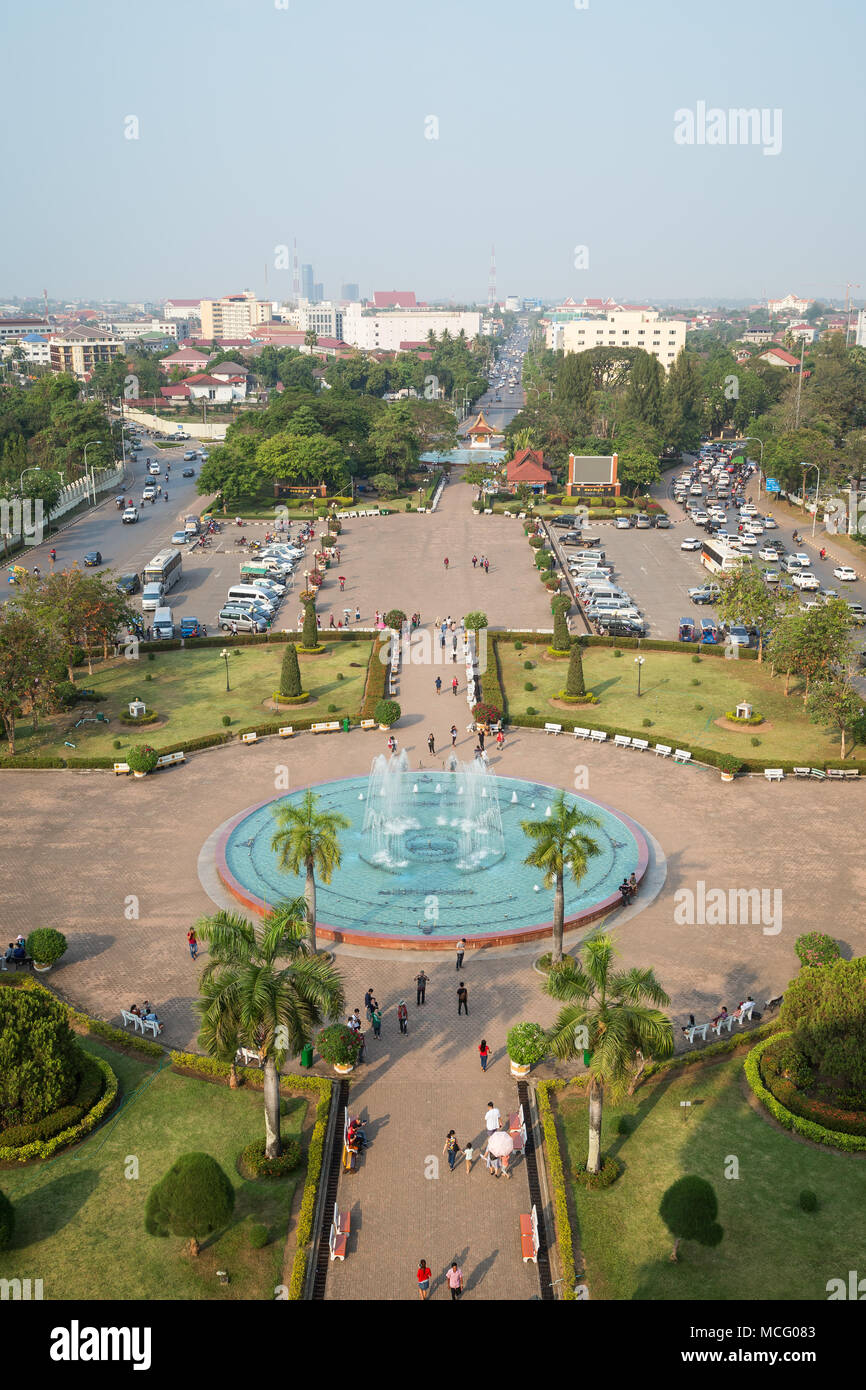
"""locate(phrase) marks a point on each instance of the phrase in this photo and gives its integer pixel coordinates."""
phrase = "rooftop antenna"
(491, 293)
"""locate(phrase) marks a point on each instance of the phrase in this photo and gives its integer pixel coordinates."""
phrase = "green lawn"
(670, 698)
(771, 1249)
(80, 1218)
(188, 688)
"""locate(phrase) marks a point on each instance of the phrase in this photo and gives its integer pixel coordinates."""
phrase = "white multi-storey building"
(385, 330)
(234, 315)
(789, 305)
(641, 328)
(325, 319)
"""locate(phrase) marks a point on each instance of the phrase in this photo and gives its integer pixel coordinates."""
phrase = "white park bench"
(249, 738)
(120, 767)
(286, 731)
(744, 1015)
(553, 728)
(150, 1025)
(681, 756)
(529, 1236)
(169, 759)
(835, 772)
(725, 1022)
(342, 1221)
(774, 774)
(802, 771)
(330, 728)
(621, 741)
(663, 749)
(521, 516)
(818, 773)
(368, 723)
(696, 1030)
(597, 736)
(127, 1018)
(337, 1242)
(248, 1057)
(507, 513)
(641, 744)
(850, 772)
(580, 733)
(488, 511)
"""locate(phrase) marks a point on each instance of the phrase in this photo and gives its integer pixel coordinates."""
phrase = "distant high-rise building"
(307, 290)
(350, 292)
(318, 292)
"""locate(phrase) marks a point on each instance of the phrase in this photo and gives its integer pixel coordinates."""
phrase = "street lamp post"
(225, 655)
(639, 661)
(806, 467)
(31, 468)
(92, 475)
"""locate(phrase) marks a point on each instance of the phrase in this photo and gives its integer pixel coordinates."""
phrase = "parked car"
(662, 521)
(180, 538)
(129, 584)
(642, 521)
(190, 627)
(243, 620)
(622, 523)
(92, 558)
(129, 514)
(844, 572)
(706, 593)
(566, 519)
(690, 543)
(621, 627)
(571, 538)
(739, 636)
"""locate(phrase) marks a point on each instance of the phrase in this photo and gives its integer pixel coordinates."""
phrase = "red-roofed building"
(188, 359)
(780, 357)
(203, 386)
(394, 299)
(480, 434)
(528, 467)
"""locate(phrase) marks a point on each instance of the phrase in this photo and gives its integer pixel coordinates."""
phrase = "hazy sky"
(264, 120)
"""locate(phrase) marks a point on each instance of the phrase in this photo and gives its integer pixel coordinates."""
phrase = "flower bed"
(761, 1080)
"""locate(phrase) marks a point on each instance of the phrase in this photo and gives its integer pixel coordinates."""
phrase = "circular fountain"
(429, 857)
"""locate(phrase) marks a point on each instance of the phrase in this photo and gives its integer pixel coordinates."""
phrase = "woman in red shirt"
(423, 1279)
(484, 1053)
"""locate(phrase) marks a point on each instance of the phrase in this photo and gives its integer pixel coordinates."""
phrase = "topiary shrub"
(41, 1060)
(395, 618)
(646, 723)
(808, 1200)
(256, 1164)
(696, 660)
(7, 1222)
(142, 758)
(46, 945)
(310, 631)
(527, 1044)
(530, 709)
(338, 1044)
(607, 1175)
(617, 652)
(755, 742)
(528, 685)
(226, 721)
(290, 673)
(575, 686)
(332, 709)
(689, 1209)
(518, 646)
(194, 1199)
(816, 948)
(485, 713)
(528, 665)
(387, 712)
(258, 1236)
(695, 681)
(624, 1125)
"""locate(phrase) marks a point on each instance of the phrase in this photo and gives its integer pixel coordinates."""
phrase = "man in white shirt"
(492, 1118)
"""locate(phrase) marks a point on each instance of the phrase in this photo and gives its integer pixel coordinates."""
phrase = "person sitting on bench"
(718, 1018)
(687, 1027)
(355, 1136)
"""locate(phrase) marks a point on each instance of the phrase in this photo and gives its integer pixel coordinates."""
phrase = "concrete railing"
(170, 426)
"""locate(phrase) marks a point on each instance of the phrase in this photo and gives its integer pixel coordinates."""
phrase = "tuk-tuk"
(708, 630)
(120, 503)
(687, 630)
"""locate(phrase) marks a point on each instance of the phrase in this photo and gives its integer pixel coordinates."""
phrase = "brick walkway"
(118, 865)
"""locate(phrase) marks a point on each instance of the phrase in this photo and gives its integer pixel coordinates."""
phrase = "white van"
(191, 525)
(238, 592)
(279, 567)
(152, 596)
(163, 625)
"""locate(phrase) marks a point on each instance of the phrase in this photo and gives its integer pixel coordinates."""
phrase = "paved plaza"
(117, 865)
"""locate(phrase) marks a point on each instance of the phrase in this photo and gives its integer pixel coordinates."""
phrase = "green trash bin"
(346, 724)
(307, 1055)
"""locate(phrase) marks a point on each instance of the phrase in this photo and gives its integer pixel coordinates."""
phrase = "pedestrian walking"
(234, 629)
(468, 1154)
(392, 744)
(421, 982)
(500, 740)
(446, 561)
(442, 641)
(368, 1003)
(148, 630)
(486, 565)
(453, 735)
(474, 561)
(193, 943)
(461, 951)
(481, 738)
(484, 1053)
(403, 1016)
(492, 1118)
(455, 1280)
(357, 614)
(462, 999)
(454, 686)
(438, 684)
(451, 1148)
(331, 622)
(376, 1019)
(423, 1276)
(431, 743)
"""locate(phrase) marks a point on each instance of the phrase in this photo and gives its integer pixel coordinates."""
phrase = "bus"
(165, 568)
(720, 558)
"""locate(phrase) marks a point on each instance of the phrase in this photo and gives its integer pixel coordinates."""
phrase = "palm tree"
(561, 844)
(615, 1015)
(248, 998)
(307, 839)
(310, 339)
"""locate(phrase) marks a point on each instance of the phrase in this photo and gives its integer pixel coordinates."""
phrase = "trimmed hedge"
(557, 1179)
(82, 1023)
(90, 1086)
(807, 1129)
(374, 690)
(833, 1117)
(46, 1148)
(256, 1161)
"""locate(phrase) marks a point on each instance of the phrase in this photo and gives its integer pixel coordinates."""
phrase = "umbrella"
(500, 1143)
